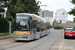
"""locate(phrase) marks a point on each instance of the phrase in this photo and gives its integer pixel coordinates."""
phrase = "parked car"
(69, 32)
(66, 28)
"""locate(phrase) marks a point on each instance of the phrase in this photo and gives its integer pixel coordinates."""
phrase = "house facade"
(61, 16)
(3, 14)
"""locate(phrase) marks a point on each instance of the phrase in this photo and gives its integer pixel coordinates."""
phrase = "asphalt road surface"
(53, 41)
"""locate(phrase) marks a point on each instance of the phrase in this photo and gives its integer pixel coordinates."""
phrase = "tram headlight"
(28, 33)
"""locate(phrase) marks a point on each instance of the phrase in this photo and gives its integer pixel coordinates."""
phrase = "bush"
(58, 27)
(4, 25)
(2, 10)
(74, 27)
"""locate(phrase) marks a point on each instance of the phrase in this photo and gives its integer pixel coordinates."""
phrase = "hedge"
(58, 27)
(2, 10)
(4, 25)
(74, 27)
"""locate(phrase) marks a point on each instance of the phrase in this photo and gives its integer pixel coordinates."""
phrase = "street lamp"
(44, 5)
(40, 9)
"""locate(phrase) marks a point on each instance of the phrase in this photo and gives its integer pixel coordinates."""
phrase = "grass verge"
(5, 34)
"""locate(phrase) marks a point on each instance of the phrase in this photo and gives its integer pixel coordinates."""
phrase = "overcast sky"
(54, 5)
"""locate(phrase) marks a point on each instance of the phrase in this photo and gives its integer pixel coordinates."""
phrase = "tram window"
(34, 24)
(22, 25)
(42, 26)
(38, 27)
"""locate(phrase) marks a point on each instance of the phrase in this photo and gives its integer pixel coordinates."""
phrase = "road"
(49, 42)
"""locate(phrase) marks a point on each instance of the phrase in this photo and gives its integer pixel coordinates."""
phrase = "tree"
(4, 0)
(22, 6)
(2, 10)
(74, 20)
(73, 1)
(73, 9)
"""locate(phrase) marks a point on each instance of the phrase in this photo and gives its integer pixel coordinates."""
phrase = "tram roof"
(33, 16)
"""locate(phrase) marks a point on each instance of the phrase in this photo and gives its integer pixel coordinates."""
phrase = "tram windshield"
(22, 23)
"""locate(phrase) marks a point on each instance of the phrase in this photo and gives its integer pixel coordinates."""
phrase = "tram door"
(34, 28)
(43, 29)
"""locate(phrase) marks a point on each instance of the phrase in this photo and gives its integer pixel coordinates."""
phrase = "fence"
(5, 27)
(10, 31)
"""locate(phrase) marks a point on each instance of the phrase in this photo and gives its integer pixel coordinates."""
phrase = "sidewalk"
(5, 37)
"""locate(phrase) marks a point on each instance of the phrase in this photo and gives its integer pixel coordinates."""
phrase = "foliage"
(5, 34)
(4, 25)
(2, 10)
(73, 9)
(22, 6)
(74, 27)
(58, 27)
(73, 1)
(54, 23)
(3, 0)
(74, 20)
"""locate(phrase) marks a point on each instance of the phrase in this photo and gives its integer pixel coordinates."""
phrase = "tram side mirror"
(30, 19)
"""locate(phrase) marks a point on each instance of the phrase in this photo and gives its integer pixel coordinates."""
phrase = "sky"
(54, 5)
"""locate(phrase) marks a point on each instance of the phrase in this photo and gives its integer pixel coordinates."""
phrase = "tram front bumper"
(21, 37)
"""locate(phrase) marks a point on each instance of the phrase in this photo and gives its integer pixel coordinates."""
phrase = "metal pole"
(9, 27)
(44, 5)
(44, 9)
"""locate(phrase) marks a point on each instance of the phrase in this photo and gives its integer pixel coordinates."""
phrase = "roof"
(69, 28)
(61, 9)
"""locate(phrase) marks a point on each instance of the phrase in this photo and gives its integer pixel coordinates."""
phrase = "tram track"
(56, 41)
(5, 39)
(10, 43)
(18, 44)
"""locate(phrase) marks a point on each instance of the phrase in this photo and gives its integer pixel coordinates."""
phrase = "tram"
(30, 27)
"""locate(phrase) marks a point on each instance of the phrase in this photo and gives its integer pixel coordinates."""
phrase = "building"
(3, 14)
(61, 16)
(48, 15)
